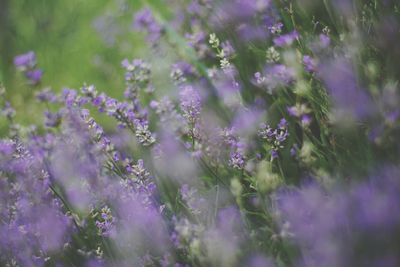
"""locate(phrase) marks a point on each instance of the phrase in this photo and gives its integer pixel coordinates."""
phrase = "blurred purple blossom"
(144, 21)
(190, 103)
(349, 98)
(286, 39)
(345, 227)
(25, 61)
(309, 63)
(274, 76)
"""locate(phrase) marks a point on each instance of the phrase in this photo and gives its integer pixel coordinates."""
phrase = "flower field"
(257, 133)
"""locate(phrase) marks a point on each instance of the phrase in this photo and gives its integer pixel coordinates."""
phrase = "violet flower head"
(283, 124)
(237, 160)
(324, 40)
(52, 119)
(190, 102)
(229, 51)
(6, 147)
(144, 21)
(294, 150)
(259, 261)
(306, 120)
(302, 112)
(345, 227)
(266, 132)
(143, 134)
(246, 120)
(186, 68)
(286, 39)
(274, 76)
(240, 15)
(240, 11)
(309, 63)
(137, 77)
(25, 61)
(46, 95)
(34, 76)
(349, 98)
(181, 71)
(275, 137)
(276, 28)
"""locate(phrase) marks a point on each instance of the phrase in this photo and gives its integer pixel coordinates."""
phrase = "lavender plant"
(274, 144)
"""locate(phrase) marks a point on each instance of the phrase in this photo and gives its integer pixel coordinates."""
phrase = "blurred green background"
(76, 42)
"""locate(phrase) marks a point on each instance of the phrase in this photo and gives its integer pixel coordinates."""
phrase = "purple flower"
(283, 124)
(300, 111)
(309, 63)
(286, 39)
(145, 22)
(349, 98)
(241, 16)
(259, 261)
(274, 76)
(229, 51)
(184, 67)
(190, 102)
(34, 75)
(46, 95)
(237, 160)
(239, 11)
(274, 137)
(266, 132)
(25, 61)
(246, 120)
(52, 119)
(324, 40)
(182, 70)
(345, 227)
(306, 120)
(6, 147)
(276, 28)
(294, 150)
(274, 154)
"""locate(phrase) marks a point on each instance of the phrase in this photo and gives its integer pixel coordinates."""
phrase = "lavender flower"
(190, 102)
(46, 95)
(137, 78)
(240, 15)
(274, 137)
(34, 75)
(286, 39)
(25, 61)
(276, 28)
(349, 227)
(106, 222)
(52, 119)
(324, 40)
(349, 98)
(302, 112)
(309, 63)
(143, 134)
(237, 160)
(181, 71)
(274, 76)
(144, 21)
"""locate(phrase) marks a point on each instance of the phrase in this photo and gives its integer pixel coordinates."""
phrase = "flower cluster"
(145, 21)
(26, 63)
(355, 226)
(275, 137)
